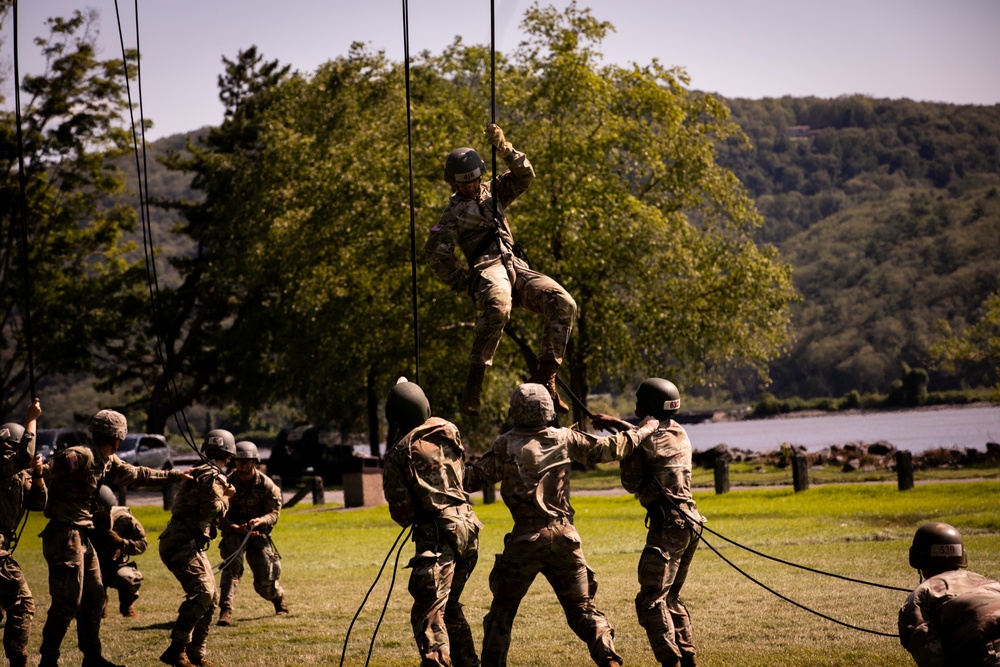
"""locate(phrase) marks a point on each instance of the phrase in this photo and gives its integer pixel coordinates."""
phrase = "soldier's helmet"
(937, 547)
(10, 433)
(407, 406)
(109, 423)
(463, 165)
(106, 497)
(219, 442)
(658, 398)
(531, 405)
(246, 450)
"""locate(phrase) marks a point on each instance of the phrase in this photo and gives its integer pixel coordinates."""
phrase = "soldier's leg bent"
(199, 636)
(15, 597)
(543, 295)
(493, 296)
(463, 647)
(575, 587)
(128, 580)
(188, 565)
(63, 548)
(231, 576)
(266, 567)
(88, 618)
(510, 579)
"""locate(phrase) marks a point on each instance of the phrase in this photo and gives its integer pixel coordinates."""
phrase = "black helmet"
(407, 406)
(937, 547)
(463, 165)
(219, 441)
(658, 398)
(11, 433)
(246, 450)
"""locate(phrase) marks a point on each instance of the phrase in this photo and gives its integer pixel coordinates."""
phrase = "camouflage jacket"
(75, 474)
(950, 619)
(467, 223)
(19, 491)
(424, 473)
(258, 497)
(200, 502)
(532, 465)
(665, 456)
(126, 527)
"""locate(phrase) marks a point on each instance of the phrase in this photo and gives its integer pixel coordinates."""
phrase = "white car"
(146, 449)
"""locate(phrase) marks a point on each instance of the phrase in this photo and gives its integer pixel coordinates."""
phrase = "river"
(913, 430)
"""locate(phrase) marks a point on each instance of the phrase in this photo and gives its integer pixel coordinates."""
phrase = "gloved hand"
(495, 136)
(114, 539)
(604, 422)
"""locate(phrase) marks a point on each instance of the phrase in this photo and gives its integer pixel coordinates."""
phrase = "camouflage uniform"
(117, 571)
(255, 498)
(664, 457)
(953, 620)
(497, 278)
(198, 506)
(532, 465)
(19, 491)
(74, 476)
(423, 484)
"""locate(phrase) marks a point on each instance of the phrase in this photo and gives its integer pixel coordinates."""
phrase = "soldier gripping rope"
(200, 503)
(496, 276)
(117, 537)
(246, 529)
(74, 476)
(21, 488)
(952, 619)
(423, 484)
(532, 463)
(658, 472)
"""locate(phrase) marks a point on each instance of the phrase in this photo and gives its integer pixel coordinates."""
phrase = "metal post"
(721, 476)
(904, 470)
(800, 472)
(489, 494)
(319, 494)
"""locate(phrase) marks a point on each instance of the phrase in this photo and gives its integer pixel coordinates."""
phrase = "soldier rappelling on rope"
(497, 274)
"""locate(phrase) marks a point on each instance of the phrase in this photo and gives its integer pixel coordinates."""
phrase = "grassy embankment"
(331, 556)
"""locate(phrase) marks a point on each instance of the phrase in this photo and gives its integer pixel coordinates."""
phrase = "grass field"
(331, 556)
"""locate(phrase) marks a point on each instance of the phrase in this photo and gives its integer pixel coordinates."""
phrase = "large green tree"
(76, 267)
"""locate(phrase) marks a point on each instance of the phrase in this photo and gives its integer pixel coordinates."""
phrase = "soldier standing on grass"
(117, 537)
(21, 488)
(952, 619)
(74, 476)
(423, 483)
(253, 511)
(532, 463)
(496, 275)
(200, 502)
(658, 472)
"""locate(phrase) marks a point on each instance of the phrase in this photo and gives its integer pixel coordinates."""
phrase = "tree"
(76, 266)
(977, 344)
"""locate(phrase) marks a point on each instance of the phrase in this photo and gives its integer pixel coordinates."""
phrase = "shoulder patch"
(73, 461)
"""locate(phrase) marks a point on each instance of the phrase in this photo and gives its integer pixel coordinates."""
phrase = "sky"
(924, 50)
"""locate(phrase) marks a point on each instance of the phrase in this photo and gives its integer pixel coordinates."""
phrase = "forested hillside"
(888, 212)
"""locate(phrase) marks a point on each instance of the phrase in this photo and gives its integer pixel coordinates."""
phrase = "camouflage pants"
(126, 579)
(532, 290)
(264, 564)
(443, 563)
(76, 589)
(183, 556)
(663, 568)
(17, 603)
(555, 552)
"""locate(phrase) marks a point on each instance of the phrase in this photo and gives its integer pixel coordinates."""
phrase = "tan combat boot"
(175, 656)
(545, 375)
(225, 617)
(470, 403)
(281, 607)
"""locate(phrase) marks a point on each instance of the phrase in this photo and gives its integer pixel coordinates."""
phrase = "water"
(913, 430)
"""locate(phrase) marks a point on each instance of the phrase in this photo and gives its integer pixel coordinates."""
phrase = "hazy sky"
(937, 50)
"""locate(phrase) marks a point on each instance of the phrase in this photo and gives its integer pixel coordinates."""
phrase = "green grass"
(331, 556)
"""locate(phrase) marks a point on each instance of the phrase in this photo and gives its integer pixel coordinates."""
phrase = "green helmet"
(106, 497)
(407, 406)
(246, 450)
(937, 547)
(531, 405)
(11, 433)
(658, 398)
(219, 441)
(463, 165)
(110, 424)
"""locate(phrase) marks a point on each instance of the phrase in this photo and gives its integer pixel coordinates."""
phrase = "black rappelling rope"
(388, 594)
(413, 224)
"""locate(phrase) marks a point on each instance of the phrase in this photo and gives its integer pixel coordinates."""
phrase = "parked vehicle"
(146, 449)
(48, 441)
